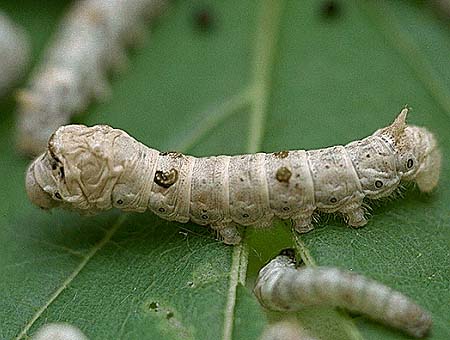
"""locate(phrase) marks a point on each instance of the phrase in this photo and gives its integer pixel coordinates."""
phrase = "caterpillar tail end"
(422, 326)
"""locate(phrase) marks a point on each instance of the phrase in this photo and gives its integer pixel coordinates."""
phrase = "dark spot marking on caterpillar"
(242, 180)
(330, 9)
(54, 166)
(245, 215)
(173, 154)
(166, 178)
(283, 174)
(205, 217)
(327, 166)
(368, 155)
(58, 195)
(161, 210)
(204, 19)
(119, 202)
(378, 184)
(286, 208)
(410, 163)
(281, 154)
(333, 200)
(51, 148)
(61, 172)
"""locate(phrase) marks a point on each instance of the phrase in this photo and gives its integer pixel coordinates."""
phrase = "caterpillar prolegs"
(282, 286)
(90, 169)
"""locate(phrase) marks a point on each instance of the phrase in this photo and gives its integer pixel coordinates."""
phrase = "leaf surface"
(266, 76)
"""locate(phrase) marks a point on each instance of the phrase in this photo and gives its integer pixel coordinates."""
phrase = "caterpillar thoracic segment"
(283, 287)
(14, 52)
(90, 42)
(96, 168)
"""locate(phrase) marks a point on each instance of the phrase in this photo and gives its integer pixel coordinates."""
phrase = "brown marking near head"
(281, 154)
(283, 174)
(173, 154)
(166, 178)
(51, 147)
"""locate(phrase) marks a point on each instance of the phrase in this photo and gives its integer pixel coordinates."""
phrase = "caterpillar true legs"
(283, 287)
(90, 169)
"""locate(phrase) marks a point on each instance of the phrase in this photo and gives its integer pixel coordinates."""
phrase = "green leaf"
(267, 76)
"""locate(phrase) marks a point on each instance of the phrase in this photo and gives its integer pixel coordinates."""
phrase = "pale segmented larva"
(89, 43)
(286, 330)
(59, 331)
(283, 287)
(96, 168)
(14, 53)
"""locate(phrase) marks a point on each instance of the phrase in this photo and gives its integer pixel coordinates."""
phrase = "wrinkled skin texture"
(90, 169)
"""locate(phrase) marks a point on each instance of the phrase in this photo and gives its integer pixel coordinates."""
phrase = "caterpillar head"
(76, 172)
(417, 154)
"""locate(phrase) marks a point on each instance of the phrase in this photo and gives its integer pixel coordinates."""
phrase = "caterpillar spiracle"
(14, 52)
(90, 169)
(282, 286)
(90, 42)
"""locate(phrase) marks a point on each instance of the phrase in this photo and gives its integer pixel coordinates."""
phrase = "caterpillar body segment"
(90, 169)
(282, 286)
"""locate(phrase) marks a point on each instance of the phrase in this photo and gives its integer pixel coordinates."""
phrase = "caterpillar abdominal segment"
(90, 169)
(282, 286)
(89, 44)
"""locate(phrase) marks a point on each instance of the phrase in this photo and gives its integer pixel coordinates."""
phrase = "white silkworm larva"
(286, 330)
(283, 287)
(14, 53)
(96, 168)
(59, 331)
(90, 42)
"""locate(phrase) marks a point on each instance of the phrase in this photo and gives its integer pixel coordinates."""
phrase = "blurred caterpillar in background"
(14, 53)
(90, 169)
(90, 42)
(282, 286)
(289, 329)
(59, 331)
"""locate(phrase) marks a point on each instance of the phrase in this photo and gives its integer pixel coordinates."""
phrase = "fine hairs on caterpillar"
(14, 53)
(90, 43)
(90, 169)
(282, 286)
